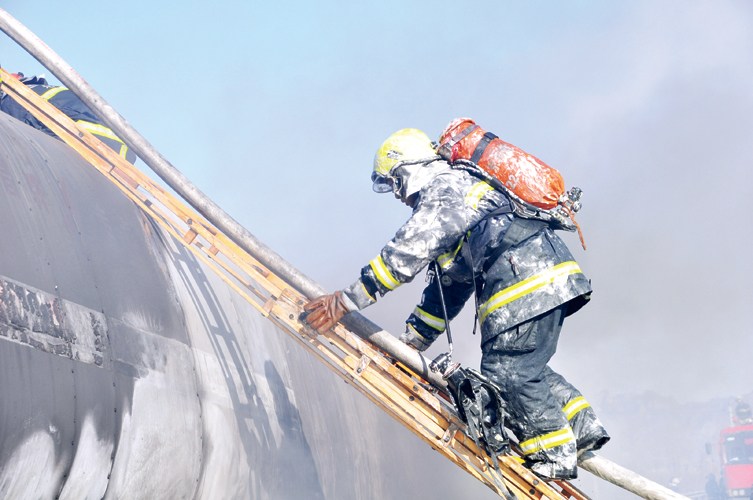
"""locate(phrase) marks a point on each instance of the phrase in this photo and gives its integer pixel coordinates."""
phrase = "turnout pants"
(550, 417)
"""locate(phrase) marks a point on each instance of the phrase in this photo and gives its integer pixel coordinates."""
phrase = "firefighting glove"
(414, 340)
(325, 311)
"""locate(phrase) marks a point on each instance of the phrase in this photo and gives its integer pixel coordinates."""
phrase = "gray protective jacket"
(448, 225)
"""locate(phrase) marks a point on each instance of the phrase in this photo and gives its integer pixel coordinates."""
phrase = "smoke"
(651, 116)
(665, 150)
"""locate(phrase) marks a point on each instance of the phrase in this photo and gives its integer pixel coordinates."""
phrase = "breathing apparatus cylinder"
(531, 179)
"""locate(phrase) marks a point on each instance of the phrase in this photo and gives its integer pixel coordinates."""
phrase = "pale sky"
(275, 110)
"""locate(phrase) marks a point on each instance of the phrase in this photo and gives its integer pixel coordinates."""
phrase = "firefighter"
(743, 414)
(524, 293)
(65, 101)
(712, 488)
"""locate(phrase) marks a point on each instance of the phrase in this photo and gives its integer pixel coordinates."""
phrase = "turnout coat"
(460, 221)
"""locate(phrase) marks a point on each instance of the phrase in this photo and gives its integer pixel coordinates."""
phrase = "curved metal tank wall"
(128, 370)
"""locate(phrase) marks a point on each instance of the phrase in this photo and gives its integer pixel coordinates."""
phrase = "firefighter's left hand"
(325, 311)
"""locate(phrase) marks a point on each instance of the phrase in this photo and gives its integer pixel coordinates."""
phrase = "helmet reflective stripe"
(527, 286)
(432, 321)
(383, 274)
(476, 192)
(547, 441)
(573, 407)
(52, 93)
(445, 260)
(404, 145)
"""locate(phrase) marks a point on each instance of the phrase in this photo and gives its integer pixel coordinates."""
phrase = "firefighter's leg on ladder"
(589, 433)
(516, 360)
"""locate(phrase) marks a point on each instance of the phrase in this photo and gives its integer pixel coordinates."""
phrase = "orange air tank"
(525, 175)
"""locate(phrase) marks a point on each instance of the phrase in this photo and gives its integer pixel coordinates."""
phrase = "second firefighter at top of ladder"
(68, 103)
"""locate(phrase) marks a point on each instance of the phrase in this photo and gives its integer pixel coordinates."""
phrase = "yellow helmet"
(406, 145)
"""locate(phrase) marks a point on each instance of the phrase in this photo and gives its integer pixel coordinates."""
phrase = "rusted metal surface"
(53, 325)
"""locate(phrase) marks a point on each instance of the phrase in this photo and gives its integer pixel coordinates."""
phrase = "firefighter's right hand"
(412, 338)
(325, 311)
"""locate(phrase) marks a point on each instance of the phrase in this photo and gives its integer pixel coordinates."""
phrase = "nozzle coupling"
(444, 365)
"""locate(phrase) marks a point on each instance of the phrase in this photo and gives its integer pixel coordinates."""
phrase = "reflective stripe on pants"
(547, 441)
